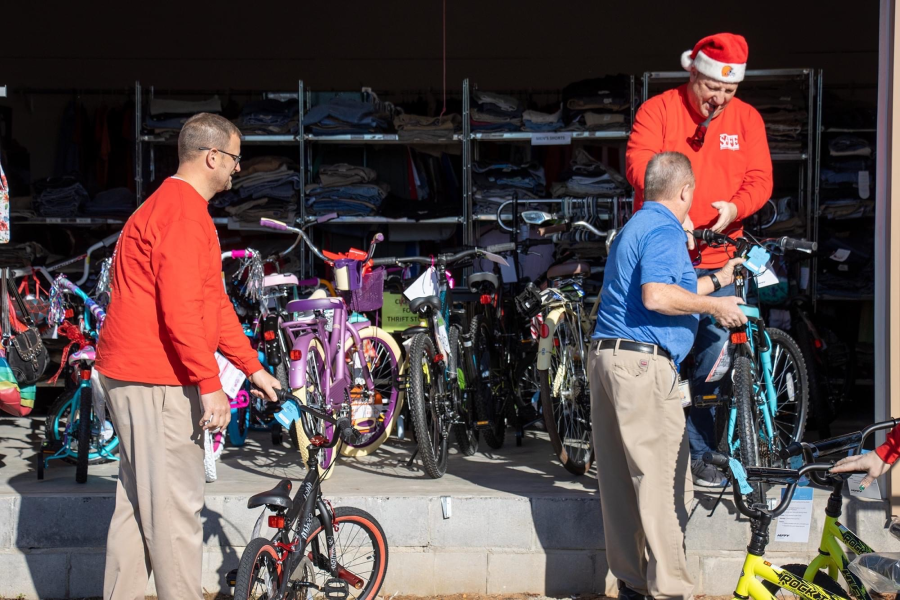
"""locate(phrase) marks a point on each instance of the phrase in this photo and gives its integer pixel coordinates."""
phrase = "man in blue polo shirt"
(651, 301)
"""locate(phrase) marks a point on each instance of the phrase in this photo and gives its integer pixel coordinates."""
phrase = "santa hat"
(722, 56)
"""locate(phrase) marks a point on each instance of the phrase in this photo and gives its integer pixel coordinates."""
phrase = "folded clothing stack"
(847, 188)
(268, 117)
(264, 208)
(266, 186)
(168, 116)
(343, 116)
(59, 197)
(785, 115)
(117, 202)
(495, 112)
(586, 177)
(416, 127)
(599, 104)
(497, 182)
(347, 190)
(533, 120)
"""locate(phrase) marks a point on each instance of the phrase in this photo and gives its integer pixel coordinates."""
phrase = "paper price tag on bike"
(793, 524)
(757, 260)
(425, 285)
(231, 377)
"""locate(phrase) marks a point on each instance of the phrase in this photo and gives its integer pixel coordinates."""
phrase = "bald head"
(204, 130)
(667, 174)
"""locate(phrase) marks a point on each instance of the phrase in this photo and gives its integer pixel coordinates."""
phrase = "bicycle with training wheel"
(832, 558)
(767, 407)
(78, 429)
(317, 550)
(337, 358)
(441, 359)
(774, 578)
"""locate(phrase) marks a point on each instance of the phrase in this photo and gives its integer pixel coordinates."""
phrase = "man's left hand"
(728, 213)
(266, 383)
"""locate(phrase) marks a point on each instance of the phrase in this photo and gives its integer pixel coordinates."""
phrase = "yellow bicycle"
(756, 568)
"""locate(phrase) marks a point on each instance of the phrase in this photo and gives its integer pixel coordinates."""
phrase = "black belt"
(633, 347)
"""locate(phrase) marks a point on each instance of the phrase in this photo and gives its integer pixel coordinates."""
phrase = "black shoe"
(626, 593)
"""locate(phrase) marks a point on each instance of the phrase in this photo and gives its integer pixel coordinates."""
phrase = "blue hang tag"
(757, 260)
(288, 414)
(737, 469)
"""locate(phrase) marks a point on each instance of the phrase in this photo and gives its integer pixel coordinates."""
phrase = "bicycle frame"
(833, 558)
(756, 566)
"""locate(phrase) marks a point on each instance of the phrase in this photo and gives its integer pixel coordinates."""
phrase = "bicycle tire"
(821, 408)
(821, 579)
(466, 434)
(345, 515)
(312, 385)
(487, 407)
(793, 389)
(85, 416)
(429, 435)
(371, 443)
(257, 551)
(748, 436)
(562, 415)
(57, 415)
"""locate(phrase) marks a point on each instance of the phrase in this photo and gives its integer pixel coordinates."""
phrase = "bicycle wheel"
(820, 401)
(466, 434)
(361, 550)
(490, 401)
(259, 573)
(310, 391)
(383, 363)
(789, 379)
(565, 397)
(424, 409)
(85, 416)
(821, 579)
(61, 427)
(747, 451)
(239, 426)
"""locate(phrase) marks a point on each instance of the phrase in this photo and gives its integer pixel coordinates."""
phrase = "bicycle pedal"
(482, 425)
(336, 589)
(231, 577)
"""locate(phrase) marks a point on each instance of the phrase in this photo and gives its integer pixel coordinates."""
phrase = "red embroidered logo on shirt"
(728, 142)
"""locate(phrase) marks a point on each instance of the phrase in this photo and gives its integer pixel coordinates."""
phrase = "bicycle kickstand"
(412, 459)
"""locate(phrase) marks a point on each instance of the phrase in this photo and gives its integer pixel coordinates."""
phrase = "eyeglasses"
(235, 157)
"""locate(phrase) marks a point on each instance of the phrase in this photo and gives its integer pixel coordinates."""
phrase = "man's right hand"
(216, 410)
(727, 311)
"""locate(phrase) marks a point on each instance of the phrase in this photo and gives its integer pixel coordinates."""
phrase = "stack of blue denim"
(117, 202)
(497, 182)
(347, 190)
(342, 116)
(600, 104)
(268, 117)
(495, 112)
(533, 120)
(59, 197)
(588, 177)
(167, 116)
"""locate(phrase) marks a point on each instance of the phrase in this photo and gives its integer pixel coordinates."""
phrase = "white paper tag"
(723, 364)
(562, 138)
(840, 255)
(231, 377)
(684, 387)
(864, 185)
(329, 319)
(872, 491)
(425, 285)
(793, 524)
(767, 278)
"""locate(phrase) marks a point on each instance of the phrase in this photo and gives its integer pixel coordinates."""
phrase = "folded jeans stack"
(59, 197)
(587, 176)
(785, 116)
(416, 127)
(117, 202)
(269, 117)
(495, 112)
(847, 188)
(347, 190)
(168, 115)
(540, 121)
(497, 182)
(599, 104)
(267, 184)
(343, 116)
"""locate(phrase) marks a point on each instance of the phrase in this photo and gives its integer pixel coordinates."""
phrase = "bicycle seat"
(280, 279)
(314, 304)
(425, 302)
(488, 278)
(86, 354)
(278, 497)
(569, 269)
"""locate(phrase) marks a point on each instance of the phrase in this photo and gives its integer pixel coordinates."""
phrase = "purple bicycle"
(339, 361)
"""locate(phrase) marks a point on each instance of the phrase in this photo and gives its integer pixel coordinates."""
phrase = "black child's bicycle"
(318, 551)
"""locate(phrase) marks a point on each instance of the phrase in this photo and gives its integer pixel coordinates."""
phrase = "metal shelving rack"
(808, 161)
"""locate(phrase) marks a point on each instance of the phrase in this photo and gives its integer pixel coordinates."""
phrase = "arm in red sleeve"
(756, 188)
(233, 344)
(889, 451)
(177, 262)
(645, 142)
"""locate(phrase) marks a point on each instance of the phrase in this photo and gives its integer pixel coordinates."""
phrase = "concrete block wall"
(52, 546)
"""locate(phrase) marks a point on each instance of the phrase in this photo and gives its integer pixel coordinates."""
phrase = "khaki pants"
(156, 524)
(643, 469)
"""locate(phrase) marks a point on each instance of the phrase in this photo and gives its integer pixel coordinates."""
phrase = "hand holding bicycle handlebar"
(343, 426)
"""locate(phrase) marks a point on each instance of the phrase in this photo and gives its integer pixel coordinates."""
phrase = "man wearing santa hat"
(725, 140)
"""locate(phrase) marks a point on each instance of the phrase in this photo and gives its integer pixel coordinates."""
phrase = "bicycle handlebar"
(279, 226)
(343, 427)
(444, 259)
(96, 310)
(238, 254)
(841, 443)
(785, 243)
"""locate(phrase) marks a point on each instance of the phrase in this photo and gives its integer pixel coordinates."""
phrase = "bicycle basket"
(346, 274)
(370, 295)
(528, 303)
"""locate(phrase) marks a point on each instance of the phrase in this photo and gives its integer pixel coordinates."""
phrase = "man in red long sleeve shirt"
(725, 139)
(168, 315)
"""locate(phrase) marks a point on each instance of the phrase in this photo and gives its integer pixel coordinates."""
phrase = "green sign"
(395, 313)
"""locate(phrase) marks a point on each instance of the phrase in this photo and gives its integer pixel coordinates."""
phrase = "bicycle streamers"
(104, 282)
(57, 312)
(255, 274)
